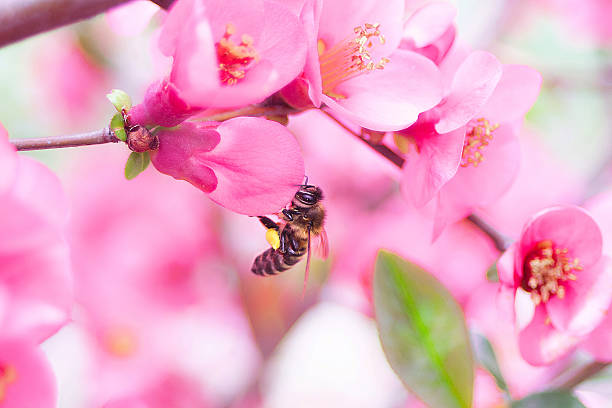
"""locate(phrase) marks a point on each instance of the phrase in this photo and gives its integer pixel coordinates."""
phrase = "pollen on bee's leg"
(273, 238)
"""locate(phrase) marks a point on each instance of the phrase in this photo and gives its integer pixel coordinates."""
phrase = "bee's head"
(308, 195)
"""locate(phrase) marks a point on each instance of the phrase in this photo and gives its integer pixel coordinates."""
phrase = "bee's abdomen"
(271, 262)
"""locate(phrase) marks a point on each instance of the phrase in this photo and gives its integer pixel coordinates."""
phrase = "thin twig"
(380, 148)
(82, 139)
(582, 374)
(500, 241)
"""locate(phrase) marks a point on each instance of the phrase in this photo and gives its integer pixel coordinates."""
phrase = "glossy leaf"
(486, 358)
(120, 100)
(136, 164)
(423, 333)
(557, 399)
(118, 127)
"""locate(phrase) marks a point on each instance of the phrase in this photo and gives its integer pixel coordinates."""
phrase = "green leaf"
(557, 399)
(136, 164)
(492, 274)
(117, 126)
(120, 100)
(486, 358)
(423, 333)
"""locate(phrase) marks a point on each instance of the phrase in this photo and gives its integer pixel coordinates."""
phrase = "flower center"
(349, 58)
(120, 341)
(544, 269)
(235, 59)
(479, 136)
(8, 374)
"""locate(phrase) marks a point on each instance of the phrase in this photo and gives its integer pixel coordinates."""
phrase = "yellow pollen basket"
(235, 59)
(476, 139)
(273, 238)
(8, 375)
(547, 267)
(349, 58)
(121, 342)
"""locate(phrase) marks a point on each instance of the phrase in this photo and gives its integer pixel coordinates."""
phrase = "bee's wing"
(321, 244)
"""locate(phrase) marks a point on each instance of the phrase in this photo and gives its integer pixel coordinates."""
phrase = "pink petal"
(435, 163)
(514, 95)
(586, 300)
(35, 271)
(309, 17)
(472, 86)
(8, 161)
(131, 18)
(438, 50)
(258, 164)
(477, 186)
(568, 227)
(174, 23)
(541, 344)
(599, 340)
(34, 384)
(180, 150)
(40, 189)
(429, 22)
(340, 17)
(391, 98)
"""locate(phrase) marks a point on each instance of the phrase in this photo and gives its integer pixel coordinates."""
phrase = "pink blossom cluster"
(152, 281)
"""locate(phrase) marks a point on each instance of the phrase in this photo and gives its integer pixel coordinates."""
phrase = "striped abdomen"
(271, 262)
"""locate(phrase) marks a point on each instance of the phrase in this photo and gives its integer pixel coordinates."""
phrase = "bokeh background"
(167, 311)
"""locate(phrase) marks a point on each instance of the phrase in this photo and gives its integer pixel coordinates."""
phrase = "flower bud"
(140, 139)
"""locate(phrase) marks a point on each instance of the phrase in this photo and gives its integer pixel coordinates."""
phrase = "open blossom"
(251, 166)
(35, 284)
(464, 152)
(560, 282)
(228, 54)
(354, 65)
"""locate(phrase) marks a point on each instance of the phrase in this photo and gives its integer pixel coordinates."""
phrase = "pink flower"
(249, 165)
(354, 65)
(35, 285)
(229, 54)
(26, 379)
(466, 152)
(559, 280)
(132, 18)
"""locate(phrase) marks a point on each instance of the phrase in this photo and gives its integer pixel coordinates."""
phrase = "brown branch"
(582, 374)
(500, 241)
(20, 19)
(82, 139)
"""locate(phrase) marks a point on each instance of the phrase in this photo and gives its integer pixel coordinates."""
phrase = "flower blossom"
(354, 66)
(249, 165)
(35, 284)
(560, 282)
(229, 54)
(464, 152)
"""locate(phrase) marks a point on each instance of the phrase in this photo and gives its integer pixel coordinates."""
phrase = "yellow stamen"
(235, 60)
(476, 139)
(121, 341)
(8, 375)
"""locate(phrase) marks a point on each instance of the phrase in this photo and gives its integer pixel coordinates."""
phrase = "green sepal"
(120, 100)
(492, 273)
(136, 164)
(555, 398)
(117, 126)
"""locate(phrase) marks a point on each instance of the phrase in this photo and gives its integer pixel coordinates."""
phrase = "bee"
(291, 237)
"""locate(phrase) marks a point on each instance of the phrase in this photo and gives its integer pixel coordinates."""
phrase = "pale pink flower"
(131, 18)
(464, 153)
(251, 166)
(354, 65)
(559, 280)
(229, 54)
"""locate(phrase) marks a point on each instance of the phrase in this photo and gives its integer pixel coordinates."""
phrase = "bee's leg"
(289, 214)
(268, 223)
(288, 245)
